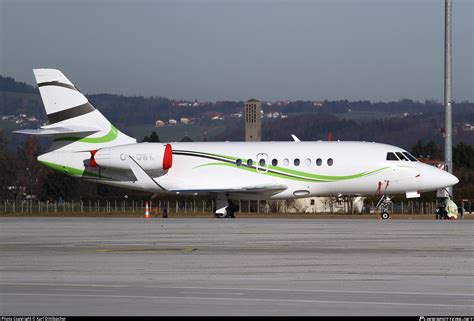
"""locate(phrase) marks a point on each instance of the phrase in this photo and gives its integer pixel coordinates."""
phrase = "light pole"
(448, 139)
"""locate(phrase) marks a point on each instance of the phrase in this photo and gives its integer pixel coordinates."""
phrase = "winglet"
(296, 139)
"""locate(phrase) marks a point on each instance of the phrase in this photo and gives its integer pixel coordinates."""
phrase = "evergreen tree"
(463, 156)
(186, 139)
(153, 138)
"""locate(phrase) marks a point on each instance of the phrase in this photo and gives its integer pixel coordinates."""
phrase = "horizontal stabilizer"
(58, 130)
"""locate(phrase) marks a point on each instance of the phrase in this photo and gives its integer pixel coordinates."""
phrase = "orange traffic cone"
(147, 211)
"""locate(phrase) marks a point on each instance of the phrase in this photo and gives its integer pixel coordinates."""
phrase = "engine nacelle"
(152, 157)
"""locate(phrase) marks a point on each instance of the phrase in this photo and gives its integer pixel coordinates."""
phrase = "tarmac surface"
(131, 266)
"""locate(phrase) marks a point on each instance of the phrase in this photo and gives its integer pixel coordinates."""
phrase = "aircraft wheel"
(220, 215)
(385, 216)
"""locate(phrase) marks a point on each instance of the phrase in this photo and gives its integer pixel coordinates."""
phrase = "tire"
(220, 215)
(385, 216)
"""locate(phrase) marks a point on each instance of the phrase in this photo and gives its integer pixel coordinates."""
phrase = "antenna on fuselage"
(296, 139)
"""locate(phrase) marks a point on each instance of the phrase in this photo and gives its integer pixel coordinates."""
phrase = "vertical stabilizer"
(67, 107)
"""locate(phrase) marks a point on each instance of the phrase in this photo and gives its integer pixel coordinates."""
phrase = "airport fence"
(105, 206)
(206, 206)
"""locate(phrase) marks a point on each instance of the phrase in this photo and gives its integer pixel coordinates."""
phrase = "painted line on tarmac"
(92, 290)
(67, 284)
(236, 289)
(216, 293)
(237, 299)
(116, 250)
(317, 291)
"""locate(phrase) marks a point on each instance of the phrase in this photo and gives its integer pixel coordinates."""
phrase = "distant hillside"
(17, 97)
(11, 85)
(401, 122)
(399, 131)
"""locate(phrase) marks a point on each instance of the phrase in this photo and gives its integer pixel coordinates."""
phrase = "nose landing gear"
(384, 205)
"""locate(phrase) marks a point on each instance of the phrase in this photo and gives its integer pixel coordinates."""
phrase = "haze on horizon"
(214, 50)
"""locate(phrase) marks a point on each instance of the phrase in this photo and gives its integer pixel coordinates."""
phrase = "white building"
(468, 127)
(317, 103)
(172, 122)
(159, 123)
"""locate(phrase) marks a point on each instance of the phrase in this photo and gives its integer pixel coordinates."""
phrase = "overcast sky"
(379, 50)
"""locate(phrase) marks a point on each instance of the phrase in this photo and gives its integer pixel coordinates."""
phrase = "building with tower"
(253, 120)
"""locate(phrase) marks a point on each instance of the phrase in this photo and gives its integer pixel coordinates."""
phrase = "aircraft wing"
(263, 189)
(148, 183)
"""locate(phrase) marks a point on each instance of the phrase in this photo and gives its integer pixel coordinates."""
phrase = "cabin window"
(307, 162)
(391, 157)
(286, 162)
(249, 162)
(400, 155)
(274, 162)
(262, 162)
(238, 162)
(410, 156)
(319, 162)
(330, 161)
(296, 162)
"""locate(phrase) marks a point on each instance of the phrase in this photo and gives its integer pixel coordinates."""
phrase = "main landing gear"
(225, 208)
(384, 205)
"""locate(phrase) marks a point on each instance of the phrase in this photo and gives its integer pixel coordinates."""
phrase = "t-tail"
(73, 122)
(79, 130)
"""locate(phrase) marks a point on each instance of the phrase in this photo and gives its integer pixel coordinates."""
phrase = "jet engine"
(151, 157)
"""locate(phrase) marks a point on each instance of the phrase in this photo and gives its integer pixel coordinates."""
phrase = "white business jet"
(86, 145)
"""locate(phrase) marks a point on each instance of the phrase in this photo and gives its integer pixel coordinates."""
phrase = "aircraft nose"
(449, 179)
(435, 178)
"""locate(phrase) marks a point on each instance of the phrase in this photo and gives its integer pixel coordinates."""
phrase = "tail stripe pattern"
(70, 113)
(57, 83)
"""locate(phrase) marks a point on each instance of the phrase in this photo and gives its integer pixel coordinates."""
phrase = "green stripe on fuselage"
(70, 170)
(274, 174)
(286, 172)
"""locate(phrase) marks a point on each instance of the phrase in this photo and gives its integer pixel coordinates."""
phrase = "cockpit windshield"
(392, 157)
(410, 156)
(401, 156)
